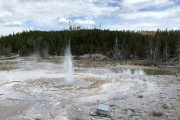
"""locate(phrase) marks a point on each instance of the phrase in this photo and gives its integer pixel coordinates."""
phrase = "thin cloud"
(132, 26)
(5, 14)
(63, 20)
(168, 13)
(13, 24)
(43, 14)
(139, 4)
(84, 22)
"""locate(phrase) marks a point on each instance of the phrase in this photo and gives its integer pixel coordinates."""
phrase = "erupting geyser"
(69, 71)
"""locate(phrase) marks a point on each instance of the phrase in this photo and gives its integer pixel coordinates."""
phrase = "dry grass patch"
(140, 96)
(164, 106)
(7, 65)
(37, 119)
(157, 114)
(94, 63)
(178, 90)
(178, 100)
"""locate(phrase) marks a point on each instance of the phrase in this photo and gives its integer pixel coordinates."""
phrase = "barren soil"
(36, 90)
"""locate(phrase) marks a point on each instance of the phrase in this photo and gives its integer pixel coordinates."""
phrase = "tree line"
(119, 45)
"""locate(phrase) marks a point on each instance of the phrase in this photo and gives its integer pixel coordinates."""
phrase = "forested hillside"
(159, 45)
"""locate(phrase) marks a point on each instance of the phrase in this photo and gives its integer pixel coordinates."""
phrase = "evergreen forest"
(120, 45)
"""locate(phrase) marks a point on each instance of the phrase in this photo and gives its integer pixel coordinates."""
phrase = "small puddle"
(139, 72)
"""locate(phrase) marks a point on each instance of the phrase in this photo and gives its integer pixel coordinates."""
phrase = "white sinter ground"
(32, 89)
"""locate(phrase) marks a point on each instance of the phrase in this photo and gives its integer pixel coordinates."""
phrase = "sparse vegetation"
(157, 114)
(164, 106)
(140, 96)
(37, 119)
(7, 65)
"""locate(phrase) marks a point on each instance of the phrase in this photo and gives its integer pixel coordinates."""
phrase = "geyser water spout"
(69, 71)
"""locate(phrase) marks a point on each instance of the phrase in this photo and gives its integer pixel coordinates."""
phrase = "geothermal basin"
(38, 89)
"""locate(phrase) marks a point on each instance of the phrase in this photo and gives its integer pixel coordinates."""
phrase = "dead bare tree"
(116, 51)
(156, 54)
(166, 52)
(90, 53)
(150, 50)
(178, 51)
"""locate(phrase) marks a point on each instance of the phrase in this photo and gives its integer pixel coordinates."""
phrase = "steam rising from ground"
(68, 66)
(36, 89)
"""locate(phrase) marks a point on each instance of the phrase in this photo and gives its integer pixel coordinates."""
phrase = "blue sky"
(19, 15)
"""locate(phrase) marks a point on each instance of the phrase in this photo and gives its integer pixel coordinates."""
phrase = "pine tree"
(116, 51)
(157, 50)
(150, 49)
(178, 51)
(166, 52)
(122, 52)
